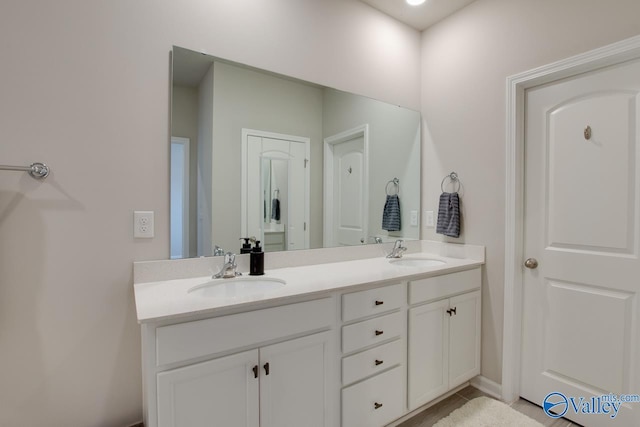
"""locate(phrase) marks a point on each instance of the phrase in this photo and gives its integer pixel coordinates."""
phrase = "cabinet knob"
(266, 368)
(255, 371)
(379, 362)
(531, 263)
(379, 332)
(379, 302)
(377, 405)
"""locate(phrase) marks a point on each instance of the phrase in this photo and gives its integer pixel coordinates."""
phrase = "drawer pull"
(379, 362)
(379, 332)
(379, 302)
(255, 371)
(266, 368)
(377, 405)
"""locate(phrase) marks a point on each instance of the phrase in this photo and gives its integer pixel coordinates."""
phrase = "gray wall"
(394, 147)
(184, 123)
(204, 171)
(465, 62)
(248, 99)
(85, 88)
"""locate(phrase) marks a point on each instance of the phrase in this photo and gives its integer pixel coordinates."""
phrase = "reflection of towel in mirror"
(449, 215)
(391, 214)
(275, 209)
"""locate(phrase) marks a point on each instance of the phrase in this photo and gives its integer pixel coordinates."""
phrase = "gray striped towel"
(391, 214)
(275, 209)
(449, 215)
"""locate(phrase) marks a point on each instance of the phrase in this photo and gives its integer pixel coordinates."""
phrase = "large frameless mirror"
(292, 163)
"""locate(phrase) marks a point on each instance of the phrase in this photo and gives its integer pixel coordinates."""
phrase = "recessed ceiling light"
(415, 2)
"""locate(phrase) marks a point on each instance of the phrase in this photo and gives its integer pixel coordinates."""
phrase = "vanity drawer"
(273, 238)
(372, 301)
(369, 332)
(443, 286)
(175, 343)
(374, 402)
(377, 359)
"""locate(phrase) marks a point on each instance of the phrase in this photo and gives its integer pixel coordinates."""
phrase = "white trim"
(616, 53)
(243, 176)
(329, 143)
(487, 386)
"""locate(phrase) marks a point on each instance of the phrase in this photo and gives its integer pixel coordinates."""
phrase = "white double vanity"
(351, 339)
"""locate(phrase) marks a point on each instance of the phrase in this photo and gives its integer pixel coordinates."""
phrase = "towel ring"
(396, 183)
(453, 177)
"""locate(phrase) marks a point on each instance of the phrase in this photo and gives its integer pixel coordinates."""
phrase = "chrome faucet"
(229, 269)
(397, 250)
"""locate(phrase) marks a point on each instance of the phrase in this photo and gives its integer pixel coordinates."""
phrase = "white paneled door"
(346, 192)
(348, 180)
(582, 274)
(290, 186)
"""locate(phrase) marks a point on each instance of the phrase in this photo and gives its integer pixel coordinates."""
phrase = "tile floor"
(432, 415)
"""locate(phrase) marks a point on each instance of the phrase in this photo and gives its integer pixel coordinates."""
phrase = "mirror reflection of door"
(346, 182)
(275, 196)
(179, 199)
(275, 190)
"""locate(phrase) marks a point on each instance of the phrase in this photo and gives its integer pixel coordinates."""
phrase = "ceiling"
(419, 17)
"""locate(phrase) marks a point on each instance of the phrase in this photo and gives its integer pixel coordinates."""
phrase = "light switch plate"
(143, 226)
(430, 219)
(414, 218)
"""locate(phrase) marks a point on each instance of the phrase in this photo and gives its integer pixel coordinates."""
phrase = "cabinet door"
(294, 383)
(464, 338)
(428, 352)
(220, 392)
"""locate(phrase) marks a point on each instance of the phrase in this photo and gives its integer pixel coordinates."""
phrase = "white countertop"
(171, 299)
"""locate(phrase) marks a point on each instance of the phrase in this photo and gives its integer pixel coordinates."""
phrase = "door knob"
(531, 263)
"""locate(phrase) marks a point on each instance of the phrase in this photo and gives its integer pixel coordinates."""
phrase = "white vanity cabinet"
(275, 386)
(357, 355)
(443, 334)
(284, 384)
(224, 390)
(374, 356)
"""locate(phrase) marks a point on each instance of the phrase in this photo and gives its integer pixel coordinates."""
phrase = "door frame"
(243, 178)
(329, 144)
(612, 54)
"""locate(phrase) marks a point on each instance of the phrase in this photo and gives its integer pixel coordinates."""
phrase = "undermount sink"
(416, 262)
(239, 286)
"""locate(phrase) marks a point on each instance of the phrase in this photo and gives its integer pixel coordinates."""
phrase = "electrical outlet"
(143, 224)
(430, 220)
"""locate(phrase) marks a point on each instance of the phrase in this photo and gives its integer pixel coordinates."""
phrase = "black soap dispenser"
(256, 260)
(246, 246)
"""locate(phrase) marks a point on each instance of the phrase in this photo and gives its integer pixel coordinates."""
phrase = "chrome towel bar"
(36, 170)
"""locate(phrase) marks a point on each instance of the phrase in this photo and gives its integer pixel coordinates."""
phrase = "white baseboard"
(484, 384)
